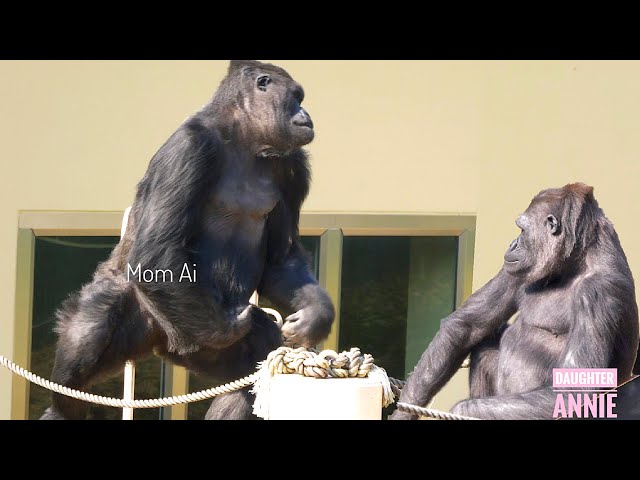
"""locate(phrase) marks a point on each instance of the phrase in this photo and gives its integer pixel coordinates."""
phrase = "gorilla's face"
(538, 251)
(269, 108)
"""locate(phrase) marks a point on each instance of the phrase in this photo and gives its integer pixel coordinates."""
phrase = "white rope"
(282, 360)
(276, 315)
(430, 412)
(121, 403)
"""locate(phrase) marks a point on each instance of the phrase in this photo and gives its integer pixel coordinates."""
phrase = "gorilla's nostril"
(302, 119)
(303, 122)
(513, 245)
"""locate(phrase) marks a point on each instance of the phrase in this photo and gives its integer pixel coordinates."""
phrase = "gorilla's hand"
(240, 320)
(236, 324)
(253, 317)
(309, 325)
(240, 315)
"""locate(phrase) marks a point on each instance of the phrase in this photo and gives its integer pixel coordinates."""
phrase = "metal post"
(331, 278)
(129, 387)
(130, 365)
(254, 298)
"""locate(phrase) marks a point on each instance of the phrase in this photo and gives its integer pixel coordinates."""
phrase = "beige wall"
(391, 137)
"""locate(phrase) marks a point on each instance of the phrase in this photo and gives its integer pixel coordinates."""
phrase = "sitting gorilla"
(567, 277)
(222, 197)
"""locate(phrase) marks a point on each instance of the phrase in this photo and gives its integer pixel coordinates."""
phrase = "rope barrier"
(283, 360)
(430, 412)
(121, 403)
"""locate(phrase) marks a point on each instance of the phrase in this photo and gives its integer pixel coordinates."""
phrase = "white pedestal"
(294, 397)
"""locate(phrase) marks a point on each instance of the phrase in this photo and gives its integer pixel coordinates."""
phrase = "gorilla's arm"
(166, 215)
(590, 345)
(478, 317)
(288, 281)
(292, 288)
(169, 197)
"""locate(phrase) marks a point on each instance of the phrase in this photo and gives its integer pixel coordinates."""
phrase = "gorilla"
(220, 200)
(568, 279)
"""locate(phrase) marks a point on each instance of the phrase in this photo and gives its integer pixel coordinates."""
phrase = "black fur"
(568, 279)
(224, 194)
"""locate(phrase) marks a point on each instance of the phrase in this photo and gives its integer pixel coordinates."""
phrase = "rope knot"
(311, 363)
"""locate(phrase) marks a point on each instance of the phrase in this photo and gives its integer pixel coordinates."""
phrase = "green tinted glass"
(395, 291)
(62, 266)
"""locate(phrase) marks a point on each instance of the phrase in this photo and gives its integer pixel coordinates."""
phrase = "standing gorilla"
(568, 278)
(222, 197)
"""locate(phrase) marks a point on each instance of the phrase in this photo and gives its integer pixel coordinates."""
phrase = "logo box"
(585, 378)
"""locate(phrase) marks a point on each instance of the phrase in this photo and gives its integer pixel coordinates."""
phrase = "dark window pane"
(197, 410)
(62, 266)
(432, 291)
(373, 300)
(395, 291)
(312, 245)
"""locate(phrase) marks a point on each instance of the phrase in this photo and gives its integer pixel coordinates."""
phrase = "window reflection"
(395, 291)
(62, 266)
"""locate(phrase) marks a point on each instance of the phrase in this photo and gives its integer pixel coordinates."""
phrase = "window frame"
(330, 227)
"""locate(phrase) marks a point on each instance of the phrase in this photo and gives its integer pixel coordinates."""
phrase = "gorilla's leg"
(232, 406)
(98, 330)
(241, 360)
(484, 365)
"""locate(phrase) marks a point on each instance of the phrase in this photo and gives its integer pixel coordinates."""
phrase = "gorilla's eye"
(262, 81)
(553, 224)
(298, 94)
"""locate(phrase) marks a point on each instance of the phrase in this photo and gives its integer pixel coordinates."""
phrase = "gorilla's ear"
(553, 225)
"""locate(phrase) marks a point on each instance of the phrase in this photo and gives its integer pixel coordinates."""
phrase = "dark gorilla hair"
(221, 196)
(567, 278)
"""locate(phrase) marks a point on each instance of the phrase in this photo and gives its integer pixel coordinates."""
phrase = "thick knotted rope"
(324, 364)
(311, 363)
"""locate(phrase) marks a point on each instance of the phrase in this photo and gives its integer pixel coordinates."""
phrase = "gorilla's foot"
(52, 414)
